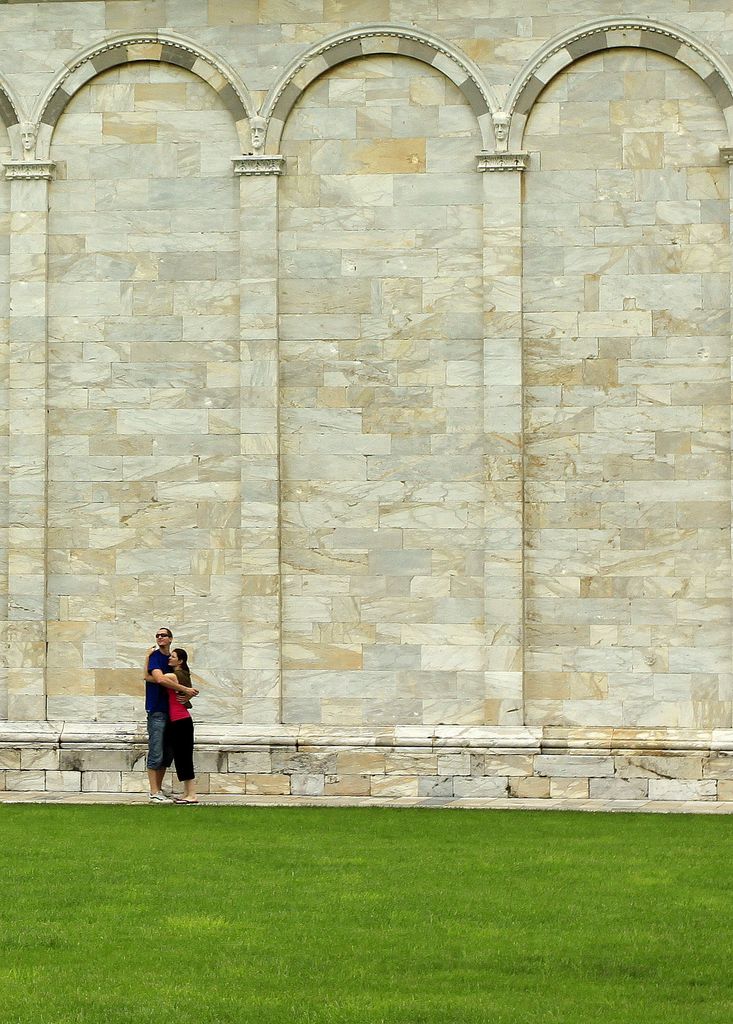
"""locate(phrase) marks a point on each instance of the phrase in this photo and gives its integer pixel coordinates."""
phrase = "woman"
(179, 731)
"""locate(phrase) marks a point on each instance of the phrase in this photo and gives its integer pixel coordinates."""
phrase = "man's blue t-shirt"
(156, 696)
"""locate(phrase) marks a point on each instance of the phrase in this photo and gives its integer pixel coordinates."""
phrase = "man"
(156, 706)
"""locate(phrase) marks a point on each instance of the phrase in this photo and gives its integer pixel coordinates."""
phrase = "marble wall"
(143, 390)
(381, 424)
(4, 419)
(627, 410)
(416, 417)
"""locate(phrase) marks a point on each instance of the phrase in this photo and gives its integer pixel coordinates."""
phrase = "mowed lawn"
(294, 915)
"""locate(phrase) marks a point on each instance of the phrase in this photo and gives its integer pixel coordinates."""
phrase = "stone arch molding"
(378, 39)
(12, 116)
(606, 34)
(162, 47)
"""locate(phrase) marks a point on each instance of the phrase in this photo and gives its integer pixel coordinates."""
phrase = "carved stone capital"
(259, 163)
(29, 170)
(502, 161)
(726, 154)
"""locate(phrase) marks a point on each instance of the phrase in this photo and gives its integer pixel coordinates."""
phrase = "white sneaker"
(158, 798)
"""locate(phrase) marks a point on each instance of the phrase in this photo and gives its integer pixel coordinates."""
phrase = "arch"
(378, 39)
(8, 107)
(163, 47)
(606, 34)
(11, 114)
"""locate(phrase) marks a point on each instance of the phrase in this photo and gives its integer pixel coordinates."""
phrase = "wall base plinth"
(441, 761)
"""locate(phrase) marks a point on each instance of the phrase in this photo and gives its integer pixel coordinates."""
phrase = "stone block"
(271, 785)
(404, 763)
(531, 788)
(101, 782)
(10, 757)
(619, 789)
(42, 759)
(255, 761)
(718, 767)
(659, 766)
(508, 764)
(569, 788)
(63, 782)
(347, 785)
(725, 789)
(203, 785)
(435, 785)
(682, 789)
(496, 786)
(76, 760)
(394, 785)
(303, 762)
(206, 761)
(573, 766)
(231, 782)
(307, 785)
(454, 764)
(134, 782)
(360, 762)
(29, 782)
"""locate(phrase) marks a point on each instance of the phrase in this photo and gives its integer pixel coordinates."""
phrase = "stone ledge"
(434, 803)
(499, 739)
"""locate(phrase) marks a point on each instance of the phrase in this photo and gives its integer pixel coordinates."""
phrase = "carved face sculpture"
(258, 127)
(501, 127)
(28, 137)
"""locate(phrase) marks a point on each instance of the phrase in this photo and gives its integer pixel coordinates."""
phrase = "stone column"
(27, 476)
(260, 523)
(503, 518)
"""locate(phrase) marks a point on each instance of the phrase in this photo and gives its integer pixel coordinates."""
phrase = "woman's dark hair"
(182, 672)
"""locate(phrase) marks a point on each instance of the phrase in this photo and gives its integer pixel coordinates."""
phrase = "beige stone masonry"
(260, 440)
(27, 480)
(389, 363)
(447, 763)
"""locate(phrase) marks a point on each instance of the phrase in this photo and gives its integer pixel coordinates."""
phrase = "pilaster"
(503, 566)
(27, 464)
(260, 522)
(726, 155)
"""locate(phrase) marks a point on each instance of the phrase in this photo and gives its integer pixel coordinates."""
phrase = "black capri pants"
(179, 748)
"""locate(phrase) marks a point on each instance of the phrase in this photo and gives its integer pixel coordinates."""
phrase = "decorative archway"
(162, 47)
(8, 108)
(379, 39)
(11, 114)
(606, 34)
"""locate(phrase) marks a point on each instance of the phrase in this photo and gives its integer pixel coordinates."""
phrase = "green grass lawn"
(309, 915)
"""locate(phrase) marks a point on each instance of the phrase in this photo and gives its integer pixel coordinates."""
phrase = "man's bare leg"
(155, 779)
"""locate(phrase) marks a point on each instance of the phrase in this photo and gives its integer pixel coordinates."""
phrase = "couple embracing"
(168, 694)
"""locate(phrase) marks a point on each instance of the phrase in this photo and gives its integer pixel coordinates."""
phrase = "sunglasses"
(162, 635)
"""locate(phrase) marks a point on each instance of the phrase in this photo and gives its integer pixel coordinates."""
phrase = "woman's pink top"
(176, 710)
